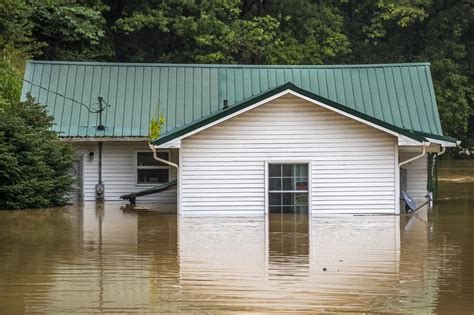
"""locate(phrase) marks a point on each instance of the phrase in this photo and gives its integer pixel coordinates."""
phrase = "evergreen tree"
(35, 165)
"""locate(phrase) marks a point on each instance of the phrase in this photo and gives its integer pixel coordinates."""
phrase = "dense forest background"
(254, 32)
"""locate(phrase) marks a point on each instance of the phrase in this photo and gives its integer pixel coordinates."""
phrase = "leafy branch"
(155, 127)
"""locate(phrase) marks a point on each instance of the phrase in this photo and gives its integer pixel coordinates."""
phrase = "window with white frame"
(288, 188)
(151, 171)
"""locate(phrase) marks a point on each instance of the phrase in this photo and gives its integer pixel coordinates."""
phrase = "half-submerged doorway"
(288, 188)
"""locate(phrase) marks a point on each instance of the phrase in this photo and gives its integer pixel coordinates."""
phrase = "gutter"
(425, 144)
(155, 156)
(443, 151)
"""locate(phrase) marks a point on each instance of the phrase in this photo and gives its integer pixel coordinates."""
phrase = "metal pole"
(100, 110)
(100, 162)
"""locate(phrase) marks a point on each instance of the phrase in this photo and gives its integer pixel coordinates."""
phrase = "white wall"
(417, 174)
(119, 171)
(353, 165)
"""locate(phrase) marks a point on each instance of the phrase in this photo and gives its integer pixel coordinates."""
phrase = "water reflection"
(296, 263)
(104, 258)
(288, 245)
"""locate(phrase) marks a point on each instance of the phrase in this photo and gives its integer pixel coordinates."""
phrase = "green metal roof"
(401, 95)
(177, 132)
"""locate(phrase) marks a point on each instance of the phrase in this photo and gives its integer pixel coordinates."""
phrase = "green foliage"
(215, 32)
(11, 68)
(35, 164)
(258, 31)
(156, 124)
(440, 32)
(15, 24)
(69, 32)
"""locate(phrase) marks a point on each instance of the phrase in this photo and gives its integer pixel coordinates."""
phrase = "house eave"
(105, 139)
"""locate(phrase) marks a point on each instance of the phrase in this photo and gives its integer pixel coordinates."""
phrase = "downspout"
(425, 144)
(100, 162)
(434, 193)
(99, 187)
(442, 151)
(155, 156)
(416, 157)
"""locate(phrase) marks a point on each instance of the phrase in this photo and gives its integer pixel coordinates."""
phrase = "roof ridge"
(194, 65)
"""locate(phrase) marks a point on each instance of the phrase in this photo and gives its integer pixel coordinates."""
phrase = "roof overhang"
(444, 141)
(105, 139)
(173, 138)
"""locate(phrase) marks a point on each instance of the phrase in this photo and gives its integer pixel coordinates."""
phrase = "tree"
(70, 31)
(258, 32)
(216, 31)
(35, 166)
(15, 25)
(438, 31)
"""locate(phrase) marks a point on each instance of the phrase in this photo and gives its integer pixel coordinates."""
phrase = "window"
(288, 188)
(151, 171)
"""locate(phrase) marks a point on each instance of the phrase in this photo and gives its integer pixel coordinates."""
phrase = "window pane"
(300, 199)
(301, 183)
(288, 170)
(275, 199)
(274, 184)
(275, 209)
(288, 184)
(146, 159)
(274, 170)
(301, 170)
(288, 199)
(152, 176)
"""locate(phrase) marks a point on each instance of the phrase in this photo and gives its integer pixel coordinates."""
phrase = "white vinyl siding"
(119, 167)
(417, 175)
(352, 165)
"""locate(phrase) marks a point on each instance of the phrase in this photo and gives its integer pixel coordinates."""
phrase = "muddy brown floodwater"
(93, 258)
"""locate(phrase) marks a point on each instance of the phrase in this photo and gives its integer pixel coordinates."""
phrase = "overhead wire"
(93, 111)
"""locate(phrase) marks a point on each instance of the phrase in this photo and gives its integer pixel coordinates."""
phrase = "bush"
(35, 165)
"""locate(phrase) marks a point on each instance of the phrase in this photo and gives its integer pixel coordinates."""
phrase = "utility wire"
(59, 94)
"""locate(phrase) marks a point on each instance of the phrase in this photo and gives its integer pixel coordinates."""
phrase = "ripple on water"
(89, 259)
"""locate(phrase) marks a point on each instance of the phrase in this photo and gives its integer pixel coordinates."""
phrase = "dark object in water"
(162, 187)
(410, 204)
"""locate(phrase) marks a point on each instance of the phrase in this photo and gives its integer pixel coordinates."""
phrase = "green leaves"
(15, 24)
(69, 32)
(11, 69)
(155, 127)
(255, 32)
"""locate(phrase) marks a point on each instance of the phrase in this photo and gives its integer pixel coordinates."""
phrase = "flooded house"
(247, 139)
